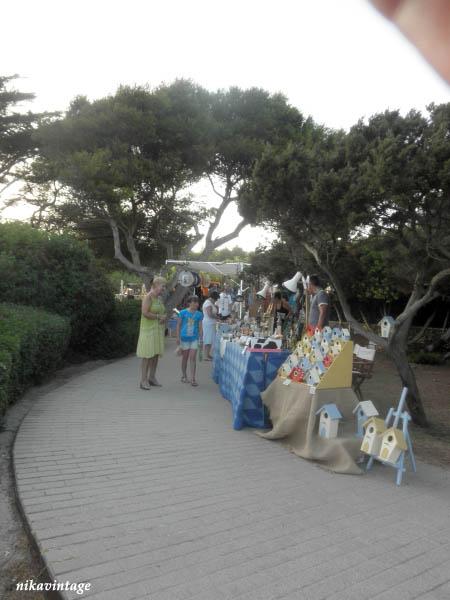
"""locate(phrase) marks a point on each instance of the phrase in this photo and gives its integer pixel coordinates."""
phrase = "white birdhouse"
(326, 331)
(345, 335)
(305, 364)
(318, 355)
(318, 335)
(392, 445)
(325, 347)
(335, 347)
(363, 411)
(373, 436)
(386, 324)
(319, 368)
(329, 420)
(335, 333)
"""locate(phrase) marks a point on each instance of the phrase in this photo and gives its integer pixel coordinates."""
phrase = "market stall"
(242, 373)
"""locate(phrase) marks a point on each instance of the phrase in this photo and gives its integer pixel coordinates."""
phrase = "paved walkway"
(153, 495)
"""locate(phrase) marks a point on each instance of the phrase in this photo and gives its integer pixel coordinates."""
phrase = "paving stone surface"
(152, 495)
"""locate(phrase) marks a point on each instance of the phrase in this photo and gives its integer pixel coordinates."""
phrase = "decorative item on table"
(336, 347)
(393, 443)
(325, 347)
(345, 336)
(297, 375)
(305, 364)
(327, 361)
(327, 333)
(373, 436)
(310, 331)
(319, 368)
(318, 335)
(363, 411)
(318, 355)
(329, 421)
(386, 325)
(186, 278)
(336, 334)
(312, 377)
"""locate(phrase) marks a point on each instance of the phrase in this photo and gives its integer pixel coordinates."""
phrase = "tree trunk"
(413, 400)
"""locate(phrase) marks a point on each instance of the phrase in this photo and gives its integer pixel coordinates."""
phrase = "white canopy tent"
(220, 268)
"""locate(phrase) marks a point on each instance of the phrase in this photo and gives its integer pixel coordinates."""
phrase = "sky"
(336, 60)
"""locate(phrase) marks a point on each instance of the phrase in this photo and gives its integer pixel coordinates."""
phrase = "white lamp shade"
(291, 284)
(263, 293)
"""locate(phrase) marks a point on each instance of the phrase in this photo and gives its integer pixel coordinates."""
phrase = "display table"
(293, 410)
(242, 377)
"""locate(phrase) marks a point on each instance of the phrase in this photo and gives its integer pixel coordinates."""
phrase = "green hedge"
(57, 273)
(117, 335)
(32, 344)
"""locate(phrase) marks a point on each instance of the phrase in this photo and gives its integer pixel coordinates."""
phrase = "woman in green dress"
(151, 334)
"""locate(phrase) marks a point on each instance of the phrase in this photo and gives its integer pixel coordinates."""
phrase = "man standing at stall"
(319, 311)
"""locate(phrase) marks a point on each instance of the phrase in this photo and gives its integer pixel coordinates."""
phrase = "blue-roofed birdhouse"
(329, 420)
(363, 411)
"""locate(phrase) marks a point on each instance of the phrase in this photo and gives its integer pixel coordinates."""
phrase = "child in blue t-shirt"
(189, 332)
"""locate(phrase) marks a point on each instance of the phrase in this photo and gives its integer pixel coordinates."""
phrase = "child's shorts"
(189, 345)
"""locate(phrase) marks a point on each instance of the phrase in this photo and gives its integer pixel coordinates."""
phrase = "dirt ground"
(430, 445)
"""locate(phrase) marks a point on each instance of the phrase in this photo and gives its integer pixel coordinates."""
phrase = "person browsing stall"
(209, 323)
(189, 333)
(320, 304)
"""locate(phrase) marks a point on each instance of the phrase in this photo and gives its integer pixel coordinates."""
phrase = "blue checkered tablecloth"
(242, 378)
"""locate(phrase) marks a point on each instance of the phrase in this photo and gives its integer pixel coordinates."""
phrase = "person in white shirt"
(209, 323)
(224, 304)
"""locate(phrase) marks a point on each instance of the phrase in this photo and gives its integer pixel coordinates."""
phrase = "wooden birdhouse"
(305, 364)
(386, 324)
(319, 368)
(335, 333)
(363, 411)
(373, 436)
(329, 420)
(297, 375)
(318, 355)
(285, 369)
(392, 445)
(335, 347)
(312, 377)
(325, 347)
(345, 335)
(327, 361)
(318, 335)
(326, 331)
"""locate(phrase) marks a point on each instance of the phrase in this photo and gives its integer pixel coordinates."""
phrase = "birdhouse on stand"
(329, 420)
(335, 347)
(325, 347)
(345, 335)
(362, 412)
(392, 445)
(318, 334)
(373, 436)
(335, 333)
(386, 325)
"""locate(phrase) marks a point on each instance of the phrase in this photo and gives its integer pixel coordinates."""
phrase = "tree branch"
(118, 251)
(430, 295)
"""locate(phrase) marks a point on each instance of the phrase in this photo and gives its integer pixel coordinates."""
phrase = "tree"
(16, 129)
(121, 162)
(389, 178)
(243, 123)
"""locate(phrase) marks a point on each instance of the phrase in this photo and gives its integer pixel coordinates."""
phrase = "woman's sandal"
(184, 379)
(144, 386)
(194, 383)
(154, 383)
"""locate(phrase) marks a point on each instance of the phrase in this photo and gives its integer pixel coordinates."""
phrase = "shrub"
(32, 344)
(426, 358)
(117, 335)
(57, 273)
